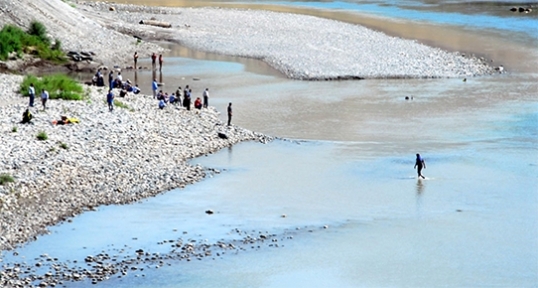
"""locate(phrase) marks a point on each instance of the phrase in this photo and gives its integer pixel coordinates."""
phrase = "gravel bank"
(301, 47)
(75, 31)
(111, 157)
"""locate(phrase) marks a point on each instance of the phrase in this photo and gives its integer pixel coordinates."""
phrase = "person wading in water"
(421, 165)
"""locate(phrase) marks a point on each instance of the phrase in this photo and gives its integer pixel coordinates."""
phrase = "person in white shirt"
(206, 97)
(119, 81)
(44, 98)
(31, 92)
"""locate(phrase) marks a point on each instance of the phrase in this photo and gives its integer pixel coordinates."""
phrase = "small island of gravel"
(112, 157)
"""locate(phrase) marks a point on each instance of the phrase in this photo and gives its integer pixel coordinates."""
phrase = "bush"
(14, 39)
(63, 146)
(5, 178)
(40, 31)
(14, 129)
(59, 86)
(10, 41)
(42, 135)
(57, 45)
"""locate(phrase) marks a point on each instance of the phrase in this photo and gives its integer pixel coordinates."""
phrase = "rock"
(222, 135)
(209, 212)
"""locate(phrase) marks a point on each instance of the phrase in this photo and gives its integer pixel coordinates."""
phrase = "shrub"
(63, 145)
(57, 45)
(14, 129)
(35, 41)
(42, 135)
(40, 31)
(5, 178)
(10, 41)
(59, 86)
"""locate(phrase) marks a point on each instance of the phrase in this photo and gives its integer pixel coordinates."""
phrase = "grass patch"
(6, 178)
(70, 3)
(42, 135)
(14, 129)
(34, 41)
(120, 104)
(59, 86)
(63, 146)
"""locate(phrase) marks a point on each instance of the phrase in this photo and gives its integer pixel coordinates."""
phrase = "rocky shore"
(133, 152)
(139, 151)
(300, 46)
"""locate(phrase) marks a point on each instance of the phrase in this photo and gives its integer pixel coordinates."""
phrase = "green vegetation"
(14, 129)
(70, 3)
(63, 145)
(34, 41)
(42, 135)
(59, 86)
(5, 178)
(120, 104)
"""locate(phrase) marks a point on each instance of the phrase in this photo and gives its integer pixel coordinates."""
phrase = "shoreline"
(113, 145)
(130, 154)
(302, 47)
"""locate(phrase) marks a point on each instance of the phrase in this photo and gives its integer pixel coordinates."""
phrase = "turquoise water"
(493, 15)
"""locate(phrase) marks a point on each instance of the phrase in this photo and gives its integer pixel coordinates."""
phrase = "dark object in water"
(156, 23)
(222, 136)
(209, 212)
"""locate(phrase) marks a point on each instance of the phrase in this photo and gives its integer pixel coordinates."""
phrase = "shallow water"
(472, 222)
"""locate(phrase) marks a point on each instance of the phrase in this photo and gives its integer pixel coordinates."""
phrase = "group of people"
(44, 96)
(153, 60)
(183, 98)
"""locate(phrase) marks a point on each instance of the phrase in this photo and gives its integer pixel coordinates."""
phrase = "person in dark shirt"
(420, 164)
(230, 114)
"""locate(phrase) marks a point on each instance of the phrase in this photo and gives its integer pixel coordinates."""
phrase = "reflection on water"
(420, 187)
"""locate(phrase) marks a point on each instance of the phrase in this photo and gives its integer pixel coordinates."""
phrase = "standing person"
(187, 100)
(110, 100)
(154, 87)
(186, 91)
(206, 97)
(230, 114)
(160, 62)
(135, 58)
(31, 91)
(153, 59)
(111, 79)
(420, 164)
(44, 98)
(178, 95)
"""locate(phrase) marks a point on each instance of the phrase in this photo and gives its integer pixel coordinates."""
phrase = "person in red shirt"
(198, 103)
(153, 59)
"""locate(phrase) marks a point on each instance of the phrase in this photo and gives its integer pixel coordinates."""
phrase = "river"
(343, 177)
